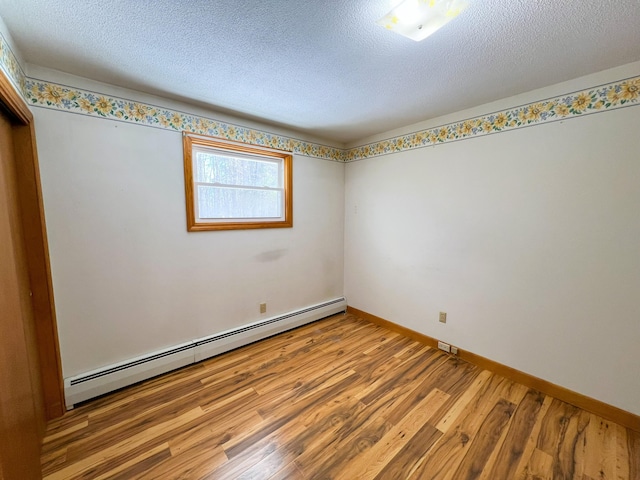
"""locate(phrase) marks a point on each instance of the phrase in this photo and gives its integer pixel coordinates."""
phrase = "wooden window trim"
(191, 140)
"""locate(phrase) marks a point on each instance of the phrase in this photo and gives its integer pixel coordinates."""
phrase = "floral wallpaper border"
(610, 96)
(606, 97)
(11, 67)
(61, 97)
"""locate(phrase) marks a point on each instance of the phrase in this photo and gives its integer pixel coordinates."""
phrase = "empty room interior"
(358, 239)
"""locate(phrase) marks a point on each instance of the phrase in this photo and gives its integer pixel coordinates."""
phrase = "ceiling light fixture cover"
(417, 19)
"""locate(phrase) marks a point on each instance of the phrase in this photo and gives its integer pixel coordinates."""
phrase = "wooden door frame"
(36, 248)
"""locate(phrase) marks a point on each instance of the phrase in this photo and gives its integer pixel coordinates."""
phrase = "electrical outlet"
(454, 350)
(263, 308)
(443, 317)
(444, 346)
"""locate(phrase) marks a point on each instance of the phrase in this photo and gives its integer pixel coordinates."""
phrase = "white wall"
(129, 279)
(7, 36)
(528, 239)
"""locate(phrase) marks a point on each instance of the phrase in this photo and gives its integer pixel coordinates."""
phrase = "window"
(235, 186)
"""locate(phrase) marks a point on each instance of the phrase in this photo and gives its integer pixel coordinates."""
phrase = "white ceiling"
(324, 67)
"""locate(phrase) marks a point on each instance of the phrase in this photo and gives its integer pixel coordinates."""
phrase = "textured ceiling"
(324, 67)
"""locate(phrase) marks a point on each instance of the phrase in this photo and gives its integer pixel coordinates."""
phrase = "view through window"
(234, 186)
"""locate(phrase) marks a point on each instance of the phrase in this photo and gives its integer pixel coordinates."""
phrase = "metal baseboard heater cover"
(107, 379)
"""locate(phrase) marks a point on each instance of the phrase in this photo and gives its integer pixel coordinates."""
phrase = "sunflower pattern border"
(610, 96)
(61, 97)
(11, 67)
(606, 97)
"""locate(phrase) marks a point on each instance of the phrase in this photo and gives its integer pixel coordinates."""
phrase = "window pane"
(221, 202)
(217, 168)
(234, 186)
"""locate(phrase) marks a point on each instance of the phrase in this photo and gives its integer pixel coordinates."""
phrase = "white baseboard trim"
(107, 379)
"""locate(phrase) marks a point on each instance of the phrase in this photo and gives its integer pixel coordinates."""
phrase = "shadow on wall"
(271, 255)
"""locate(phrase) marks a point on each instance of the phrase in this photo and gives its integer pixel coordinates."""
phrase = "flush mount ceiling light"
(417, 19)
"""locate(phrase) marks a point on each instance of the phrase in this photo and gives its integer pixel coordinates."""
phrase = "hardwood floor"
(341, 398)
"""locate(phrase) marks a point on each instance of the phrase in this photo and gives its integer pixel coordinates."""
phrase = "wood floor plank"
(600, 441)
(145, 389)
(320, 433)
(452, 415)
(53, 460)
(289, 472)
(622, 453)
(312, 460)
(69, 418)
(265, 449)
(365, 425)
(540, 466)
(522, 468)
(191, 464)
(96, 439)
(633, 446)
(350, 449)
(563, 430)
(316, 389)
(314, 365)
(148, 393)
(295, 410)
(130, 417)
(381, 344)
(482, 445)
(375, 459)
(516, 394)
(268, 466)
(451, 376)
(120, 448)
(136, 465)
(554, 425)
(510, 453)
(406, 373)
(412, 455)
(142, 466)
(339, 398)
(409, 350)
(444, 458)
(61, 434)
(219, 429)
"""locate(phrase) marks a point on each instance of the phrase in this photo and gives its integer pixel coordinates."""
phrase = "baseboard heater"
(107, 379)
